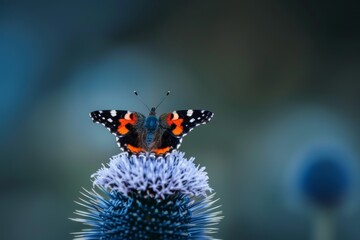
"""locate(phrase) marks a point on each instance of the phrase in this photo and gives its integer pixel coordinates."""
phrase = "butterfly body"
(136, 133)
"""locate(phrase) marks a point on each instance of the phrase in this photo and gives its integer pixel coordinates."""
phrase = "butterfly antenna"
(167, 94)
(140, 99)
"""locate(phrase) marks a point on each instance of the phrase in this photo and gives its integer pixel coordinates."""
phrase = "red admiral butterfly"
(136, 133)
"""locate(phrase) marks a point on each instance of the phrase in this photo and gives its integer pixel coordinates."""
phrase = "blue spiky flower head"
(325, 177)
(148, 197)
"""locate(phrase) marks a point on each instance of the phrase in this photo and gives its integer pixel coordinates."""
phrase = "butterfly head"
(152, 112)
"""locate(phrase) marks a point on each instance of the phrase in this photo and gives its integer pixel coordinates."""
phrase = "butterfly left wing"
(178, 124)
(122, 124)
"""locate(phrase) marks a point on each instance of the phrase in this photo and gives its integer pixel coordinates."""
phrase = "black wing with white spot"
(108, 118)
(189, 119)
(118, 122)
(179, 123)
(183, 121)
(193, 118)
(122, 124)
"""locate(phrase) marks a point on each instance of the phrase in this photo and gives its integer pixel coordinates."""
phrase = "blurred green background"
(279, 76)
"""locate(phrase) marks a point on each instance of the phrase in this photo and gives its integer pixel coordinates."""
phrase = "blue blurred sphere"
(325, 179)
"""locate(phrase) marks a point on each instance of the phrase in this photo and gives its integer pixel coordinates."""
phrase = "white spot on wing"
(202, 111)
(113, 113)
(192, 120)
(110, 120)
(189, 112)
(127, 116)
(176, 116)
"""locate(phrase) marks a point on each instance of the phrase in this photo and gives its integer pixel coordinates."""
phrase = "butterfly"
(136, 133)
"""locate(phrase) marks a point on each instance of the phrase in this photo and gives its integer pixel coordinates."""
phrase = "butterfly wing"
(177, 124)
(124, 125)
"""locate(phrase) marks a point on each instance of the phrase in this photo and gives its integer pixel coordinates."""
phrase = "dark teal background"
(280, 76)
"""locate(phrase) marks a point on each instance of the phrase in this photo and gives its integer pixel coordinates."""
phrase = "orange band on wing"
(134, 149)
(178, 128)
(160, 151)
(123, 121)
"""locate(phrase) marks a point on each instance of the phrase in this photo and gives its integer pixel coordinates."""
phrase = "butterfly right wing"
(176, 125)
(122, 124)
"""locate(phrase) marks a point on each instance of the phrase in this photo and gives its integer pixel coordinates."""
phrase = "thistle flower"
(148, 197)
(324, 177)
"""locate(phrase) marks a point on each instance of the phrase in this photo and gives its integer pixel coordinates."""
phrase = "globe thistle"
(148, 197)
(324, 178)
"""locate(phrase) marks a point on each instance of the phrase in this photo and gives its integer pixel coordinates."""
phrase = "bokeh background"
(280, 76)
